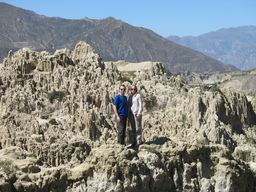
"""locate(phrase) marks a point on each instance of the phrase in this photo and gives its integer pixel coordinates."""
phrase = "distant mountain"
(112, 39)
(235, 46)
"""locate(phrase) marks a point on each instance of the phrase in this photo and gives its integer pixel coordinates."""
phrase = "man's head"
(122, 89)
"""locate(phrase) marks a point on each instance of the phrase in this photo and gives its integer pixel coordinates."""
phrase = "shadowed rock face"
(58, 133)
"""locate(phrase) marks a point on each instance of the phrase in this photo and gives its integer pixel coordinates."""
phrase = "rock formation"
(57, 130)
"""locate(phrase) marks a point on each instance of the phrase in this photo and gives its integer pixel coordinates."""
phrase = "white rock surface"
(57, 130)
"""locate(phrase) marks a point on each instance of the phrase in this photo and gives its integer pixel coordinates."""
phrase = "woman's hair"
(135, 87)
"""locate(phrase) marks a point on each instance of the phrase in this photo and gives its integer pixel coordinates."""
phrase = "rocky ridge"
(235, 46)
(58, 131)
(113, 39)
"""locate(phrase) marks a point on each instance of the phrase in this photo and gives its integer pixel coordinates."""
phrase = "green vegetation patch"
(251, 140)
(59, 95)
(126, 76)
(183, 118)
(214, 87)
(53, 122)
(32, 64)
(150, 101)
(7, 166)
(130, 73)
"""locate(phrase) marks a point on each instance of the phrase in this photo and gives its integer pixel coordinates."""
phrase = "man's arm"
(116, 113)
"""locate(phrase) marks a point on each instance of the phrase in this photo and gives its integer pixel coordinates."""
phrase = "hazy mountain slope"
(235, 46)
(112, 39)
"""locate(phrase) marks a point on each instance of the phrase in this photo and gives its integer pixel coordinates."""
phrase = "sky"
(164, 17)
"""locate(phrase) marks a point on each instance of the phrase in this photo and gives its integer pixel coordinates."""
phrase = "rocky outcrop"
(161, 165)
(57, 131)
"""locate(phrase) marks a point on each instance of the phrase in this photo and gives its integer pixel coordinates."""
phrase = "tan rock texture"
(57, 130)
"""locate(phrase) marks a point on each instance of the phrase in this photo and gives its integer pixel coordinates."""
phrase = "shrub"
(56, 95)
(24, 109)
(53, 122)
(38, 139)
(6, 166)
(124, 78)
(32, 64)
(183, 118)
(214, 87)
(150, 101)
(201, 142)
(251, 140)
(131, 73)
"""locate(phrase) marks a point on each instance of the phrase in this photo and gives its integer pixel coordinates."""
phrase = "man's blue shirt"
(121, 104)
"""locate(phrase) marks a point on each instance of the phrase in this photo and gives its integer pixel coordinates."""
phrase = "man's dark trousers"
(121, 129)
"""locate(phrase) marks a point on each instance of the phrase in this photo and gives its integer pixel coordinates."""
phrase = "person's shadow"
(158, 141)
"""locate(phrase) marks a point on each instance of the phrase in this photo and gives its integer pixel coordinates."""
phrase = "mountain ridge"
(235, 45)
(112, 39)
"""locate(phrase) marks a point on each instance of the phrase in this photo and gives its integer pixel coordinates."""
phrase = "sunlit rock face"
(58, 131)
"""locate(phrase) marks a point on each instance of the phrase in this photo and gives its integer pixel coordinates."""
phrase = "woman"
(135, 114)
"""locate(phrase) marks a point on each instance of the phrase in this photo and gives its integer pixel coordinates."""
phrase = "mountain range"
(235, 46)
(112, 39)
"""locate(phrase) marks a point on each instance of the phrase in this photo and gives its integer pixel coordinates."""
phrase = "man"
(135, 114)
(120, 108)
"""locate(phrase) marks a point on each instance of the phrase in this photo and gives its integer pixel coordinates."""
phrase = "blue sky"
(165, 17)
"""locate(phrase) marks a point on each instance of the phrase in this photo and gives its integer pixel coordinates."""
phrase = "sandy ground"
(126, 66)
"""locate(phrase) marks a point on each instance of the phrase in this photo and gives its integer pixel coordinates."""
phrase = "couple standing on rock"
(130, 108)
